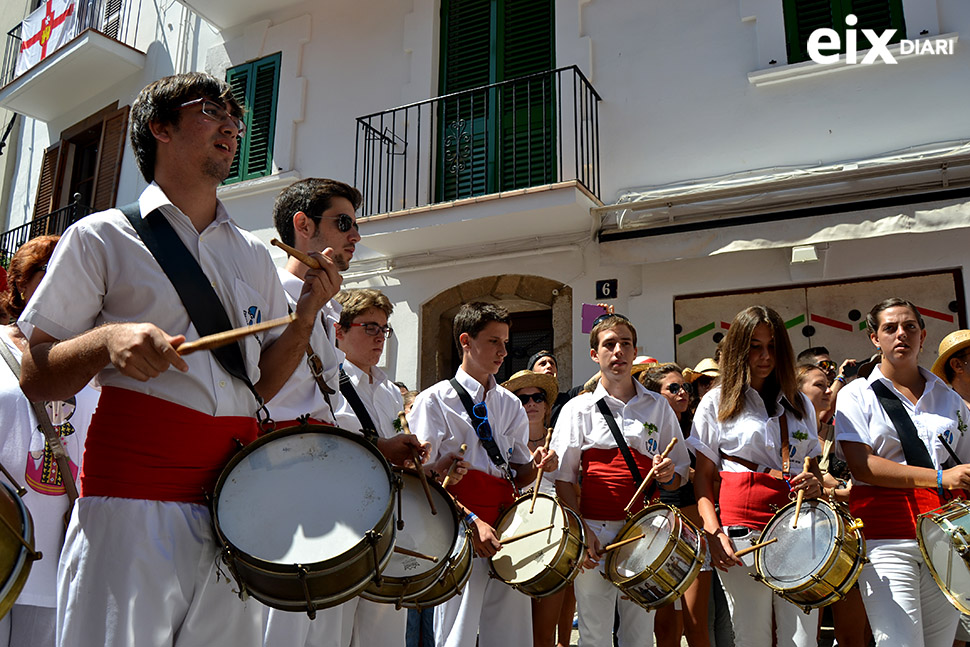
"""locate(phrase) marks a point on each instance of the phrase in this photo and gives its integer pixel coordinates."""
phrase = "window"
(256, 85)
(501, 138)
(802, 17)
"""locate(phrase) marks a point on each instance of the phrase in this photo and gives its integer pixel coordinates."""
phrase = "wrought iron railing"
(534, 130)
(53, 224)
(116, 19)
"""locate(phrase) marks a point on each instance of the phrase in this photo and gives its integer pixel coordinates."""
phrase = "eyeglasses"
(539, 397)
(217, 112)
(674, 388)
(607, 315)
(371, 328)
(344, 222)
(827, 365)
(483, 430)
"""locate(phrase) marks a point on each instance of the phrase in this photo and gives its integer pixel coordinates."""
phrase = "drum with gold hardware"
(453, 578)
(816, 562)
(658, 567)
(944, 540)
(17, 552)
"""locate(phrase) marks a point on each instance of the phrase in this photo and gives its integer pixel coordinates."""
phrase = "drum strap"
(52, 435)
(483, 430)
(913, 448)
(620, 441)
(201, 302)
(367, 426)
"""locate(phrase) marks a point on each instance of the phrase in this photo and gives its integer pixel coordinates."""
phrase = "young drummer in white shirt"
(582, 437)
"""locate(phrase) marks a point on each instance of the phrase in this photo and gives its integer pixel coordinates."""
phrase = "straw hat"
(642, 363)
(525, 379)
(707, 367)
(951, 344)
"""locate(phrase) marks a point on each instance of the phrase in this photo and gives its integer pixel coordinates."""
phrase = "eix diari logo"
(827, 39)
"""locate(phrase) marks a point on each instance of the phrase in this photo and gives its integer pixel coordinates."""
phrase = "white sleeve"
(428, 423)
(851, 418)
(705, 428)
(567, 441)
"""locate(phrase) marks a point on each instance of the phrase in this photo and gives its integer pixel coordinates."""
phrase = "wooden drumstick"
(628, 540)
(417, 463)
(953, 455)
(529, 533)
(751, 549)
(639, 492)
(454, 464)
(414, 553)
(304, 258)
(535, 490)
(228, 336)
(801, 494)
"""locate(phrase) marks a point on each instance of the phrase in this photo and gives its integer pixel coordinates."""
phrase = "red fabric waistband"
(750, 499)
(890, 513)
(142, 447)
(608, 484)
(485, 495)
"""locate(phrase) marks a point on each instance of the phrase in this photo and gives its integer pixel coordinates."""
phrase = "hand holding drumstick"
(650, 474)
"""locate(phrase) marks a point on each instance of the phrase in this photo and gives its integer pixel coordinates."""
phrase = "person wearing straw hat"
(951, 362)
(584, 438)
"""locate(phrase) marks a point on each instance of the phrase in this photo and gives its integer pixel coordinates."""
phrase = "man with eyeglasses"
(139, 563)
(588, 436)
(472, 409)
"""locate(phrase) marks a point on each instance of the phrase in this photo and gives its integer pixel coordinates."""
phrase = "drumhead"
(14, 560)
(802, 551)
(302, 496)
(526, 558)
(951, 570)
(656, 525)
(423, 532)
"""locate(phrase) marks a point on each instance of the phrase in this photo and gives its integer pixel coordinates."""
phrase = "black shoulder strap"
(363, 417)
(194, 288)
(487, 440)
(913, 448)
(620, 441)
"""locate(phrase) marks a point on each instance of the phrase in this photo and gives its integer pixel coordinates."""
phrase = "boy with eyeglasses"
(472, 409)
(586, 438)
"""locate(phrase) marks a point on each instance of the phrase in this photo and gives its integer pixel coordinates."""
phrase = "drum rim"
(464, 556)
(662, 557)
(824, 566)
(10, 589)
(527, 498)
(386, 519)
(926, 516)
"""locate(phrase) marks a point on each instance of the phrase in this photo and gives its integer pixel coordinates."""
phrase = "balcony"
(521, 155)
(53, 224)
(98, 54)
(229, 13)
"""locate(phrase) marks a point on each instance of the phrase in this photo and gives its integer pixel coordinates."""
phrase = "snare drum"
(944, 540)
(406, 577)
(657, 569)
(453, 578)
(543, 563)
(816, 563)
(305, 517)
(15, 558)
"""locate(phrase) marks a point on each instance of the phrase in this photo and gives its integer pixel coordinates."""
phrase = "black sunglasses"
(344, 222)
(539, 397)
(606, 315)
(675, 387)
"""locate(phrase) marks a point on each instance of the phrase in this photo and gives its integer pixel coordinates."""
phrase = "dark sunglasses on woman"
(675, 387)
(539, 397)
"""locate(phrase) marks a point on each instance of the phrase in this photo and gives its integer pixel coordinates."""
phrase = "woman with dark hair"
(25, 454)
(756, 428)
(691, 618)
(898, 464)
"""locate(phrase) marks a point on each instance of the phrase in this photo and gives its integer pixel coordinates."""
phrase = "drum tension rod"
(373, 538)
(302, 573)
(34, 555)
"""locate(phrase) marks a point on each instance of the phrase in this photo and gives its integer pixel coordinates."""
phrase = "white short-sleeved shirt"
(301, 395)
(101, 272)
(381, 397)
(752, 434)
(647, 423)
(860, 418)
(439, 418)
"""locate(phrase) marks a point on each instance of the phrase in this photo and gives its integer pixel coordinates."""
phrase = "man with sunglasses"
(139, 564)
(472, 409)
(836, 375)
(615, 436)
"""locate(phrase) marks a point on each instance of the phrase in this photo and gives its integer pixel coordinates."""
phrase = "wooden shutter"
(238, 80)
(110, 151)
(877, 15)
(802, 17)
(49, 186)
(256, 86)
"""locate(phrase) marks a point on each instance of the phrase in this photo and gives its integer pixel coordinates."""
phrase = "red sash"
(142, 447)
(485, 495)
(890, 513)
(608, 484)
(750, 499)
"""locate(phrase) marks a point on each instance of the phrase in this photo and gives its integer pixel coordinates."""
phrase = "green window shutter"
(877, 15)
(256, 85)
(802, 17)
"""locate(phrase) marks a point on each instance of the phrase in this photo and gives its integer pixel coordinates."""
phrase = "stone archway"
(517, 293)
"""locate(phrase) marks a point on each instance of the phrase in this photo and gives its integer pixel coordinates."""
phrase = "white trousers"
(904, 604)
(487, 608)
(598, 600)
(355, 623)
(139, 572)
(752, 605)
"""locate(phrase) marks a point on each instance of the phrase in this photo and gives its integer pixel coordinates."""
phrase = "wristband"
(939, 481)
(839, 378)
(470, 517)
(671, 479)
